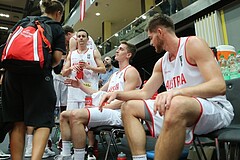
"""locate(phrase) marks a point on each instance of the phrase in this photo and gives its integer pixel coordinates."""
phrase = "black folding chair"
(229, 134)
(113, 132)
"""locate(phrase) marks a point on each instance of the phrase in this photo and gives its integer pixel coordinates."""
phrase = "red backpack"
(28, 50)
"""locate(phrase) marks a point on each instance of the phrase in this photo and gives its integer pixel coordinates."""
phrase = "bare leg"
(183, 112)
(65, 126)
(91, 138)
(131, 112)
(17, 140)
(78, 121)
(40, 140)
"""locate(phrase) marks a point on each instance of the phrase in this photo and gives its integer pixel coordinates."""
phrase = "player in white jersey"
(194, 102)
(91, 67)
(127, 78)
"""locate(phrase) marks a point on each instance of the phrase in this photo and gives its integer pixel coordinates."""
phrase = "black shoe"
(90, 154)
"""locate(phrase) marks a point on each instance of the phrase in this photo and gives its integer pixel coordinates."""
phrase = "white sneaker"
(91, 157)
(4, 155)
(61, 157)
(28, 152)
(48, 153)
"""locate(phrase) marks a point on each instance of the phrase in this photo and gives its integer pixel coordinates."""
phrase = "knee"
(126, 108)
(77, 116)
(64, 116)
(176, 113)
(132, 108)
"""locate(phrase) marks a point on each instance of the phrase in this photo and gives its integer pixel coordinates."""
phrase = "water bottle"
(224, 67)
(121, 156)
(233, 67)
(88, 101)
(238, 62)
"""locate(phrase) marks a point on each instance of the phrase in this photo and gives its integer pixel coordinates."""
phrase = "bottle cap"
(121, 154)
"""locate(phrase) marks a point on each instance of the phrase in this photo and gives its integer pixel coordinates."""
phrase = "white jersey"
(117, 80)
(186, 75)
(179, 73)
(90, 78)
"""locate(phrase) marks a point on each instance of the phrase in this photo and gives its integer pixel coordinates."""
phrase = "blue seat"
(150, 154)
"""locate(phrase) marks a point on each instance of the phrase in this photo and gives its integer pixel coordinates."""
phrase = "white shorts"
(75, 105)
(61, 92)
(214, 115)
(106, 117)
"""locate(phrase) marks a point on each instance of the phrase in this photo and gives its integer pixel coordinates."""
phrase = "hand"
(73, 82)
(163, 101)
(104, 104)
(106, 99)
(82, 64)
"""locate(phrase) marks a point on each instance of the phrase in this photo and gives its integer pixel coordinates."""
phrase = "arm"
(78, 84)
(67, 69)
(57, 56)
(100, 66)
(72, 44)
(199, 53)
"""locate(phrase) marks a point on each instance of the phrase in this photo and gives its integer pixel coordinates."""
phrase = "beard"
(159, 47)
(107, 65)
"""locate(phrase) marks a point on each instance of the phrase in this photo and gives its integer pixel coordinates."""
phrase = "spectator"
(127, 78)
(176, 5)
(91, 64)
(110, 69)
(164, 6)
(194, 102)
(26, 109)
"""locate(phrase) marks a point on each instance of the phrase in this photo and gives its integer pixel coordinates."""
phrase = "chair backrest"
(233, 95)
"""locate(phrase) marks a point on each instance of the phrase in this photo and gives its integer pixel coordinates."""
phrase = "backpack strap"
(45, 40)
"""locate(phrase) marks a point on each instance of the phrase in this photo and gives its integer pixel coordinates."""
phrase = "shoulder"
(131, 71)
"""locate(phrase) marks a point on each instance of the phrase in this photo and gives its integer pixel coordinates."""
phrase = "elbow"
(223, 89)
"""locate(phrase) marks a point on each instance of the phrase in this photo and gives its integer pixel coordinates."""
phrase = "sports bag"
(28, 50)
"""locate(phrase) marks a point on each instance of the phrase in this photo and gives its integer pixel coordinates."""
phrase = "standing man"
(88, 63)
(194, 103)
(127, 78)
(29, 100)
(110, 69)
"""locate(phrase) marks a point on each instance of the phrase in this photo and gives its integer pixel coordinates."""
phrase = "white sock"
(140, 157)
(79, 153)
(29, 140)
(66, 150)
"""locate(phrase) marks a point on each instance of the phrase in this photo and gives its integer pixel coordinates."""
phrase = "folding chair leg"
(236, 153)
(108, 149)
(196, 148)
(227, 148)
(217, 148)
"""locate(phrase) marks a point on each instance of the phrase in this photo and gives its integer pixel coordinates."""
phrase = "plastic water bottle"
(233, 66)
(121, 156)
(224, 67)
